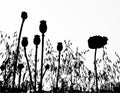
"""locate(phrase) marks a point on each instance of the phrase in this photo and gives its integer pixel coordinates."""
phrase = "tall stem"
(58, 70)
(28, 67)
(96, 77)
(15, 66)
(35, 66)
(42, 62)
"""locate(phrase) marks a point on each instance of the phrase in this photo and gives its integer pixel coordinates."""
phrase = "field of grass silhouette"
(69, 75)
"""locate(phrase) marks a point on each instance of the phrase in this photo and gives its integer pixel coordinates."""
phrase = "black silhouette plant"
(77, 75)
(94, 43)
(24, 44)
(59, 48)
(66, 71)
(97, 42)
(23, 16)
(43, 29)
(36, 42)
(43, 26)
(8, 57)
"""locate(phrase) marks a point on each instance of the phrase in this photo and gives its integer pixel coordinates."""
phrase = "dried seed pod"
(24, 41)
(36, 40)
(59, 46)
(24, 15)
(43, 26)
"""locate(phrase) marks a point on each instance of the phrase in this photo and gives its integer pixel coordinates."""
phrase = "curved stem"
(15, 66)
(28, 66)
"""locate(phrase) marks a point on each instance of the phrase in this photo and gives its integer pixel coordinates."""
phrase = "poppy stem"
(28, 67)
(95, 67)
(36, 66)
(44, 72)
(58, 70)
(40, 87)
(15, 66)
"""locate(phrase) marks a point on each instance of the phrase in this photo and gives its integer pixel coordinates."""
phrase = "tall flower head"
(36, 40)
(43, 26)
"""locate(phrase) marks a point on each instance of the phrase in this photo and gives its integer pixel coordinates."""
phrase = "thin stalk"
(42, 62)
(95, 67)
(58, 70)
(44, 72)
(15, 66)
(31, 82)
(36, 66)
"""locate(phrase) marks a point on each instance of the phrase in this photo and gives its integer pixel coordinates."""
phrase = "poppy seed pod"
(97, 42)
(24, 15)
(36, 40)
(43, 26)
(47, 66)
(59, 46)
(20, 66)
(24, 41)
